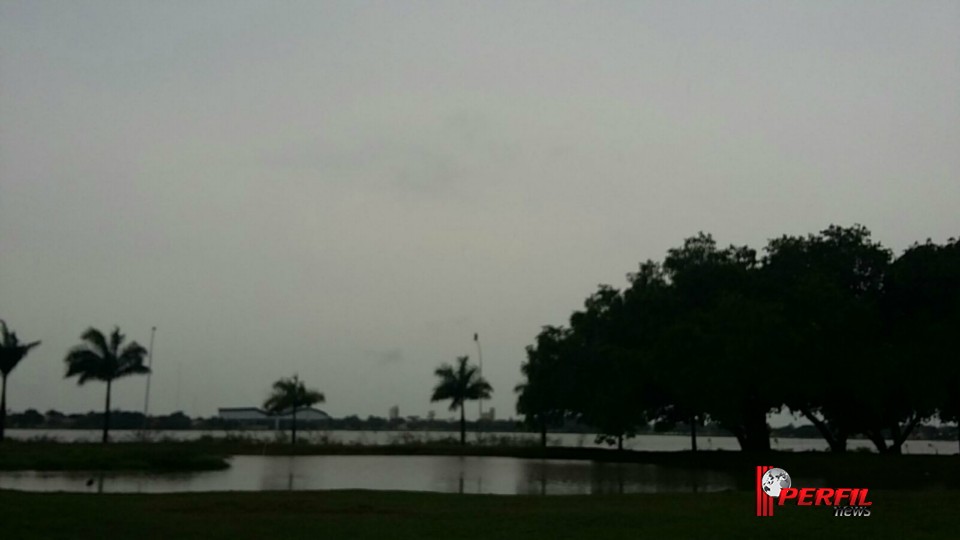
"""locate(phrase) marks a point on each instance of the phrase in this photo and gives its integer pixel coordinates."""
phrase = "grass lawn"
(396, 515)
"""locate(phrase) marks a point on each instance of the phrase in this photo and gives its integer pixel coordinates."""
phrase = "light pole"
(476, 339)
(146, 397)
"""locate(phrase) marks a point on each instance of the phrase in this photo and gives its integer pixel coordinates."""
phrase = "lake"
(443, 474)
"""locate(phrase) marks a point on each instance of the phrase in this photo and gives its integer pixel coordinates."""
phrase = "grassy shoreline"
(401, 515)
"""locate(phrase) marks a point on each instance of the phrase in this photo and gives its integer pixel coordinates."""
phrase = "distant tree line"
(52, 419)
(829, 326)
(133, 420)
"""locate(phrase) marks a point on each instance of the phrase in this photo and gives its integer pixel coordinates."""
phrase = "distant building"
(394, 412)
(431, 416)
(490, 414)
(257, 417)
(244, 415)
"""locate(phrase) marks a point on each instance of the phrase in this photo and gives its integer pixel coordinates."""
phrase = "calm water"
(658, 443)
(444, 474)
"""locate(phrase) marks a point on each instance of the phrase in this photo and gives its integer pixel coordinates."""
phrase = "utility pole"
(476, 339)
(146, 397)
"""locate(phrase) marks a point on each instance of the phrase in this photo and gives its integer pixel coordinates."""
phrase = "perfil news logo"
(773, 484)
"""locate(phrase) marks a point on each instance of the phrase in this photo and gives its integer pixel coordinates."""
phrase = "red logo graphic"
(764, 501)
(774, 483)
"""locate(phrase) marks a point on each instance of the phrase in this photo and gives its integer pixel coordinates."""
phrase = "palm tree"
(291, 394)
(458, 384)
(105, 360)
(11, 353)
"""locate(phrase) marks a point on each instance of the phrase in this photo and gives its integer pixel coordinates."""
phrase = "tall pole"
(146, 397)
(476, 339)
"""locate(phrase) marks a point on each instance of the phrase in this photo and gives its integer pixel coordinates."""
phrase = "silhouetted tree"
(289, 395)
(608, 394)
(828, 324)
(921, 311)
(673, 383)
(11, 353)
(731, 335)
(105, 360)
(460, 383)
(830, 285)
(542, 396)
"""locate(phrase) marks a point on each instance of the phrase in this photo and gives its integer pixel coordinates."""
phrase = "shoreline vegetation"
(130, 421)
(369, 514)
(870, 469)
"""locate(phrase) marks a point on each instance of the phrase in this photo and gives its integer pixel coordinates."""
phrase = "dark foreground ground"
(394, 515)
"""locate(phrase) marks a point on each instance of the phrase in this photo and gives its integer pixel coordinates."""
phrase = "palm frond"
(11, 350)
(6, 334)
(103, 360)
(131, 369)
(291, 393)
(86, 363)
(96, 338)
(311, 397)
(460, 383)
(116, 339)
(130, 361)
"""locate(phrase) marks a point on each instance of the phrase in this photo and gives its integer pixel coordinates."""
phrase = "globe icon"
(774, 480)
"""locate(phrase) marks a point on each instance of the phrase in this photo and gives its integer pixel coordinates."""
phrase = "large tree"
(105, 359)
(831, 285)
(729, 335)
(672, 381)
(548, 380)
(460, 383)
(289, 395)
(608, 394)
(921, 312)
(11, 353)
(827, 324)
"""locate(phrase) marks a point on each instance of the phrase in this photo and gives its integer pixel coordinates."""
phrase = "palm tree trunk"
(106, 415)
(3, 408)
(463, 427)
(693, 433)
(620, 442)
(294, 428)
(543, 434)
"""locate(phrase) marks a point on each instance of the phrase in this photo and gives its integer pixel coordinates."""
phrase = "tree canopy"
(829, 326)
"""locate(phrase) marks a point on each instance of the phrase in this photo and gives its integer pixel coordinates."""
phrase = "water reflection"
(445, 474)
(549, 477)
(652, 443)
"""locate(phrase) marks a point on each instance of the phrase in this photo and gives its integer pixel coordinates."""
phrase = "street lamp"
(476, 339)
(146, 397)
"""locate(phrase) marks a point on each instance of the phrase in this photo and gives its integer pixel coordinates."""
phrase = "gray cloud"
(386, 357)
(336, 188)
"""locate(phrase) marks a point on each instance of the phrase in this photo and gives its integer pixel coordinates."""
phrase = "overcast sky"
(350, 190)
